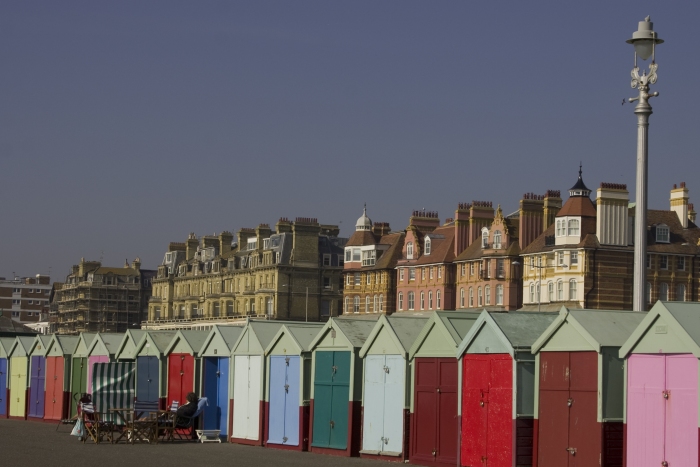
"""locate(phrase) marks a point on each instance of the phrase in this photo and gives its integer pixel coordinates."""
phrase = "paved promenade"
(26, 443)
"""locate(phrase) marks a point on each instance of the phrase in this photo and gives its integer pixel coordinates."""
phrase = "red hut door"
(435, 426)
(53, 403)
(180, 377)
(569, 433)
(487, 420)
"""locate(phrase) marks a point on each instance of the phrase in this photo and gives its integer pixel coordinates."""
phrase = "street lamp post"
(644, 41)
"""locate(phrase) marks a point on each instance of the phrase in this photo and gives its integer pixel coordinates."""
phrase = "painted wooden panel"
(373, 423)
(284, 400)
(682, 410)
(448, 425)
(215, 388)
(3, 386)
(18, 386)
(246, 396)
(147, 379)
(37, 381)
(487, 341)
(394, 388)
(78, 382)
(553, 412)
(646, 375)
(424, 438)
(53, 401)
(91, 364)
(331, 399)
(584, 431)
(180, 377)
(613, 381)
(475, 383)
(500, 413)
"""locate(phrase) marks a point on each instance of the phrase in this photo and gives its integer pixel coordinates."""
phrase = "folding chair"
(180, 426)
(95, 427)
(143, 425)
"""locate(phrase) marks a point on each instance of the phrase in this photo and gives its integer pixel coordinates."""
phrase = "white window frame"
(663, 291)
(411, 300)
(471, 297)
(484, 237)
(411, 274)
(409, 250)
(573, 290)
(573, 227)
(487, 295)
(499, 294)
(430, 300)
(461, 297)
(680, 293)
(663, 262)
(422, 300)
(428, 246)
(663, 234)
(400, 300)
(573, 258)
(438, 301)
(680, 263)
(497, 239)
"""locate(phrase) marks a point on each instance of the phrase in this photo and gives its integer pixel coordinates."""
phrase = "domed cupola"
(364, 222)
(580, 189)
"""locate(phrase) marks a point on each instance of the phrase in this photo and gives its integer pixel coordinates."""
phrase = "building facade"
(26, 299)
(369, 271)
(95, 298)
(291, 273)
(585, 258)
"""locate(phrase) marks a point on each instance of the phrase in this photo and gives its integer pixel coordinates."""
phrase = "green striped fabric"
(113, 387)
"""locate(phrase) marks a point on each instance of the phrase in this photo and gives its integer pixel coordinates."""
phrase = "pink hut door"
(91, 364)
(645, 410)
(681, 410)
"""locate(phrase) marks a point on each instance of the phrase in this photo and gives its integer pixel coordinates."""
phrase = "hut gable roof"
(105, 344)
(5, 345)
(193, 341)
(599, 328)
(221, 335)
(452, 326)
(84, 343)
(62, 345)
(21, 346)
(402, 330)
(302, 335)
(683, 319)
(40, 345)
(160, 340)
(131, 338)
(354, 331)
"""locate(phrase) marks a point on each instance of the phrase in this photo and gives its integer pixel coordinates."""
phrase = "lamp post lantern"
(644, 40)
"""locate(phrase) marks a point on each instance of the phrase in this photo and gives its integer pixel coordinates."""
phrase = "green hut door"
(331, 400)
(78, 383)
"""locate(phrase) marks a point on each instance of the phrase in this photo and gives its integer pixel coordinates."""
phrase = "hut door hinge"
(569, 402)
(286, 360)
(332, 424)
(572, 451)
(664, 464)
(386, 369)
(284, 439)
(286, 388)
(385, 440)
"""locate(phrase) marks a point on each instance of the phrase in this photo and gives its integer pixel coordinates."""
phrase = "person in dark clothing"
(189, 409)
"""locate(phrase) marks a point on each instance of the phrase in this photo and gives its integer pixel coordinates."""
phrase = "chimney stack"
(612, 221)
(225, 239)
(462, 227)
(552, 205)
(531, 218)
(691, 213)
(191, 246)
(480, 216)
(679, 203)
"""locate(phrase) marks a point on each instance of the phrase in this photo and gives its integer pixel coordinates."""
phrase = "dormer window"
(561, 228)
(573, 227)
(663, 234)
(409, 250)
(497, 239)
(484, 238)
(428, 245)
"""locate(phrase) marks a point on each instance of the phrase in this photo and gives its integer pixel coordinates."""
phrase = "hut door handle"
(572, 451)
(481, 403)
(286, 388)
(666, 393)
(483, 459)
(386, 369)
(434, 452)
(570, 402)
(438, 389)
(182, 373)
(335, 368)
(332, 424)
(664, 464)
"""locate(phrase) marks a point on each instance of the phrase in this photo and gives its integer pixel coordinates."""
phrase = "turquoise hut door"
(331, 400)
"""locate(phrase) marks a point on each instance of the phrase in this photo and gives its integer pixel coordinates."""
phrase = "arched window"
(356, 304)
(422, 300)
(573, 227)
(663, 292)
(347, 304)
(484, 238)
(479, 297)
(411, 300)
(409, 250)
(461, 298)
(680, 293)
(471, 297)
(487, 295)
(550, 291)
(367, 304)
(427, 245)
(560, 291)
(497, 239)
(381, 302)
(376, 304)
(572, 290)
(400, 300)
(430, 300)
(499, 295)
(532, 293)
(647, 292)
(437, 299)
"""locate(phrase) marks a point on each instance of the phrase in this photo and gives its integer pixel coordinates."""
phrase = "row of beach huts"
(574, 388)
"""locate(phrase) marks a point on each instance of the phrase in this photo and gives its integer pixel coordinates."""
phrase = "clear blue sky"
(126, 125)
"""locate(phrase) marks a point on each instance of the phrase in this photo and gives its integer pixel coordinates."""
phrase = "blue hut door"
(284, 400)
(36, 387)
(147, 379)
(3, 386)
(216, 391)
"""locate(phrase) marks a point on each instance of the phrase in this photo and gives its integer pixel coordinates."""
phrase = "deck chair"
(177, 426)
(95, 428)
(143, 425)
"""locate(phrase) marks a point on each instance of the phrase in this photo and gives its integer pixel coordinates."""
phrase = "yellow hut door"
(18, 386)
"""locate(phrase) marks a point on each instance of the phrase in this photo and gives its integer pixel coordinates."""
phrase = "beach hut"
(289, 386)
(5, 346)
(386, 395)
(579, 388)
(248, 380)
(216, 376)
(152, 367)
(19, 370)
(336, 390)
(498, 388)
(662, 386)
(37, 376)
(79, 370)
(434, 433)
(102, 350)
(58, 362)
(126, 351)
(183, 364)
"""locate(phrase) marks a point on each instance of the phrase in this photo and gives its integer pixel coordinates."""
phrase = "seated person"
(193, 407)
